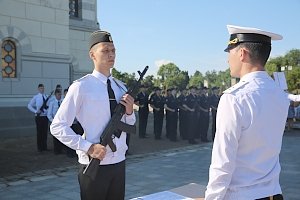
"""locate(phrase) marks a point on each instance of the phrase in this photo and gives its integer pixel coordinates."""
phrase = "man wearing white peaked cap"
(250, 123)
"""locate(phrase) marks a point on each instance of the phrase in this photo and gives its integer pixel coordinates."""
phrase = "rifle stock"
(112, 126)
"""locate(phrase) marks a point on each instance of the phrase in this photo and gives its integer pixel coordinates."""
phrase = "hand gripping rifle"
(113, 125)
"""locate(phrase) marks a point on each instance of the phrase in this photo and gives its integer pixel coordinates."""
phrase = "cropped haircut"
(259, 53)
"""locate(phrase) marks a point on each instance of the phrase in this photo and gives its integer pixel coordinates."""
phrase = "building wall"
(51, 49)
(80, 30)
(40, 30)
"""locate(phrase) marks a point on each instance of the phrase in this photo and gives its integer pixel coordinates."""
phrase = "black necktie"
(58, 103)
(112, 103)
(112, 98)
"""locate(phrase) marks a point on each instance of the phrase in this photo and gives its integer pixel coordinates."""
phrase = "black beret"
(99, 36)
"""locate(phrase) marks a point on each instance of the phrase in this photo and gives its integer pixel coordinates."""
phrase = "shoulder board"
(80, 79)
(235, 87)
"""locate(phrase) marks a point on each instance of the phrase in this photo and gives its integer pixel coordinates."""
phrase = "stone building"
(42, 41)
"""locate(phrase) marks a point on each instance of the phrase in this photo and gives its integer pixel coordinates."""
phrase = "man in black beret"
(92, 100)
(142, 101)
(214, 101)
(157, 102)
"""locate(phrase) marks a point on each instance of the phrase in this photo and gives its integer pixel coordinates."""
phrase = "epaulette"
(235, 87)
(80, 79)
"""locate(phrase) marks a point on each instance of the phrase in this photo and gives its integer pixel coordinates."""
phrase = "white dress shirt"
(251, 118)
(87, 100)
(36, 103)
(52, 110)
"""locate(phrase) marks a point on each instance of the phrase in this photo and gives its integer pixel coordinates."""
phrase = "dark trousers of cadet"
(57, 146)
(109, 183)
(172, 125)
(275, 197)
(192, 124)
(198, 125)
(158, 123)
(143, 119)
(183, 124)
(77, 128)
(42, 132)
(204, 120)
(213, 124)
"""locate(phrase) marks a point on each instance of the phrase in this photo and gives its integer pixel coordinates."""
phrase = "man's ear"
(91, 54)
(243, 53)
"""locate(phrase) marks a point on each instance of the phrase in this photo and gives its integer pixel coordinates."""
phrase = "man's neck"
(104, 71)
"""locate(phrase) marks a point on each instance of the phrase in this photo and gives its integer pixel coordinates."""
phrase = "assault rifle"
(114, 124)
(44, 106)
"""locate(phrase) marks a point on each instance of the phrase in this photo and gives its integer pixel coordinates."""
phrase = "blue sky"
(191, 33)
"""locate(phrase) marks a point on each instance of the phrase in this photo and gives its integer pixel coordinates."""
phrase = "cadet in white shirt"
(251, 119)
(88, 100)
(53, 107)
(39, 105)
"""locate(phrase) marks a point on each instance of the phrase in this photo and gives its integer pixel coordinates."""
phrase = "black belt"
(274, 197)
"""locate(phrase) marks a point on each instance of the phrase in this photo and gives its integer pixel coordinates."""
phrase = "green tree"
(169, 75)
(196, 79)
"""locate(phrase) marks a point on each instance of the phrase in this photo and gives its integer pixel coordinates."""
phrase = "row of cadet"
(293, 114)
(45, 107)
(191, 107)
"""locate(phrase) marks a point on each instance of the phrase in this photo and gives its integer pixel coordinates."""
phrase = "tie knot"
(108, 81)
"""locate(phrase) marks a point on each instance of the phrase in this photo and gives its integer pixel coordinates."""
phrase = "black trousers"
(183, 124)
(57, 146)
(204, 120)
(191, 125)
(108, 185)
(158, 123)
(275, 197)
(172, 125)
(143, 119)
(41, 132)
(213, 125)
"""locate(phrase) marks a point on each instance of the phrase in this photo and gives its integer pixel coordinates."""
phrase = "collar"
(102, 77)
(252, 75)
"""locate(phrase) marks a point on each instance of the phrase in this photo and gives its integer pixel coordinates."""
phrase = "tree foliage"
(170, 75)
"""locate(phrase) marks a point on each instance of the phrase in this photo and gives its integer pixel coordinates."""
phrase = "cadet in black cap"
(171, 107)
(190, 104)
(92, 100)
(214, 101)
(250, 123)
(39, 105)
(182, 114)
(142, 101)
(157, 102)
(203, 105)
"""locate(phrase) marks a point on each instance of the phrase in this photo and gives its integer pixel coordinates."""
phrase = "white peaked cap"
(239, 29)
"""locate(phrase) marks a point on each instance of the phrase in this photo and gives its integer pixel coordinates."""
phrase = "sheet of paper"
(280, 80)
(166, 195)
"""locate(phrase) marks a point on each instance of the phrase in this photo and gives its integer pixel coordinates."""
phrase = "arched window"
(8, 50)
(74, 8)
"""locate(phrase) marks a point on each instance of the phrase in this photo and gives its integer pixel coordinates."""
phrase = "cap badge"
(234, 41)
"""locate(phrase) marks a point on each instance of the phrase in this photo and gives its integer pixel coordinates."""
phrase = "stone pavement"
(150, 173)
